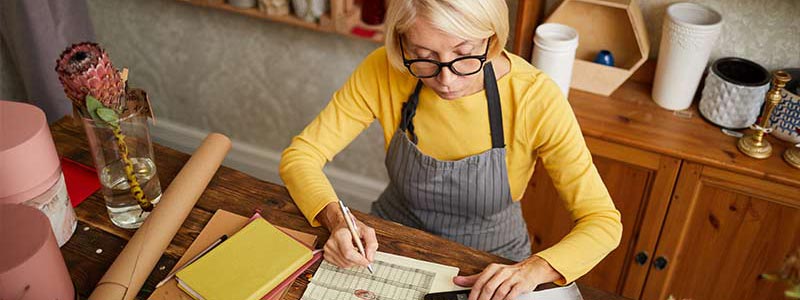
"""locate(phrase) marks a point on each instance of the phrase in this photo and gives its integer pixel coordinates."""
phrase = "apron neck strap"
(495, 111)
(492, 98)
(408, 112)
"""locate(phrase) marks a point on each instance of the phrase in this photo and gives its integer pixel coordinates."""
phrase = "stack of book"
(258, 261)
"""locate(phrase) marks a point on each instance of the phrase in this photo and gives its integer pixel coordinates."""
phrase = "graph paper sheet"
(395, 278)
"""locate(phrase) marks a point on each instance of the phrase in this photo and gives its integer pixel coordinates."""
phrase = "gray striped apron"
(467, 200)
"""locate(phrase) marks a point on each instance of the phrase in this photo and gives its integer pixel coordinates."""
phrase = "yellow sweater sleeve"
(349, 112)
(560, 145)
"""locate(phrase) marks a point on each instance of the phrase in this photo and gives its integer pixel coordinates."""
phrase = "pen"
(351, 224)
(198, 256)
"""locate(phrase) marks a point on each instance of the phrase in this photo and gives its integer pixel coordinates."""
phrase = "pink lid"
(31, 265)
(28, 159)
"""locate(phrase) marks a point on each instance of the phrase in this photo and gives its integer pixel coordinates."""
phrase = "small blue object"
(604, 57)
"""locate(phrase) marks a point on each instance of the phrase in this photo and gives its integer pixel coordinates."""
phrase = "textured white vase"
(734, 92)
(554, 47)
(688, 36)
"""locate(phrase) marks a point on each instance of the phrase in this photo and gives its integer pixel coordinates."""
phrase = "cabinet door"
(640, 184)
(723, 230)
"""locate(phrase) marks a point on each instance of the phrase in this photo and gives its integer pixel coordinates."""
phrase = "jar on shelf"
(274, 7)
(310, 10)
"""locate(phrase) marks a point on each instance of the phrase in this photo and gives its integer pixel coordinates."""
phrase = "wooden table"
(97, 242)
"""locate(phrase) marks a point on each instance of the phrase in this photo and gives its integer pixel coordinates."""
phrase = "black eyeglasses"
(462, 66)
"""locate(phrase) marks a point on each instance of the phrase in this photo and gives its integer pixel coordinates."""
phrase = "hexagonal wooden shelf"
(614, 25)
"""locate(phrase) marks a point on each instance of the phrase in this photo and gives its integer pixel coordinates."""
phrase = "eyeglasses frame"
(440, 65)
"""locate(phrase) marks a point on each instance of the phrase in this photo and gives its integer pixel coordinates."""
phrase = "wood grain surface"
(96, 242)
(630, 117)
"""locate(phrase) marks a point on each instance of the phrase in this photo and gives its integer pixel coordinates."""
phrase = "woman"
(454, 171)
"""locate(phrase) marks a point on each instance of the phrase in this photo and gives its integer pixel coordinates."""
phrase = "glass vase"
(109, 159)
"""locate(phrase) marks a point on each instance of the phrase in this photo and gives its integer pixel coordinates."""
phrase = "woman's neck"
(501, 65)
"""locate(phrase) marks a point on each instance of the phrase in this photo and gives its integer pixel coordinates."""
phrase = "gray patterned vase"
(734, 92)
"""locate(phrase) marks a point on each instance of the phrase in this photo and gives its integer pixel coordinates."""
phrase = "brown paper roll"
(129, 271)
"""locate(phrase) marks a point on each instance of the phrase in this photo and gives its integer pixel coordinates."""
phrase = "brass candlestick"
(792, 156)
(754, 145)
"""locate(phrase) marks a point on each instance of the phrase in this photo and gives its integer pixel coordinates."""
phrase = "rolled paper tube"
(127, 274)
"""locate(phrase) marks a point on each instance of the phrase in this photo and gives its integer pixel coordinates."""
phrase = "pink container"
(31, 265)
(30, 172)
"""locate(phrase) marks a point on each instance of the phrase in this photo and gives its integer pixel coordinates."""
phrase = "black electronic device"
(452, 295)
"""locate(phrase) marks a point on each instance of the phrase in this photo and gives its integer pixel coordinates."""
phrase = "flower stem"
(136, 189)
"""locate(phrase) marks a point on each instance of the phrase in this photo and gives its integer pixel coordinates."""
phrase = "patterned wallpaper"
(767, 32)
(262, 82)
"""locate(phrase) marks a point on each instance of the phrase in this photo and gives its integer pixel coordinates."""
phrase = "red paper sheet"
(81, 180)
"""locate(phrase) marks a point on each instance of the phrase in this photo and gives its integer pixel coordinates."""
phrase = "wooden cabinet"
(723, 230)
(700, 220)
(639, 183)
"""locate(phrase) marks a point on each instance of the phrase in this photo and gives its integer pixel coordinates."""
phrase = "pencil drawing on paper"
(389, 282)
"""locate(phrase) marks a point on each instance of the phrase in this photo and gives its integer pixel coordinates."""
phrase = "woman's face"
(426, 42)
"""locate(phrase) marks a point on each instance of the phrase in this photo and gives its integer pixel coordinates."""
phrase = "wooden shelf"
(343, 21)
(630, 117)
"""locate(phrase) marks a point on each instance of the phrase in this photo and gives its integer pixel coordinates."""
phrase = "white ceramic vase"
(688, 36)
(734, 92)
(554, 52)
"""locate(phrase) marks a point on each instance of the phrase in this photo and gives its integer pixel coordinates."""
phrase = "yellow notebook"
(247, 266)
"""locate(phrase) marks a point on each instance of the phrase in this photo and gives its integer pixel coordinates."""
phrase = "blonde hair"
(465, 19)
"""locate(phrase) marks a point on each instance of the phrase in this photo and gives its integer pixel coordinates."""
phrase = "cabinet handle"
(660, 263)
(641, 258)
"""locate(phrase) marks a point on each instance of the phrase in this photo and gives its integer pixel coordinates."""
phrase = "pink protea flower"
(85, 69)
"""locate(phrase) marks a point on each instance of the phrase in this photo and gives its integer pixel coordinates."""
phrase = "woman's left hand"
(506, 282)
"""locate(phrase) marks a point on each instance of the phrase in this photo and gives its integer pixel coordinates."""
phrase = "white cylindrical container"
(554, 48)
(688, 35)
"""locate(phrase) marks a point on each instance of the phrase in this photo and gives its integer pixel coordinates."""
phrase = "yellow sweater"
(538, 123)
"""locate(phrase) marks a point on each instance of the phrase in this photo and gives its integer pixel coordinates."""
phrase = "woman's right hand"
(340, 249)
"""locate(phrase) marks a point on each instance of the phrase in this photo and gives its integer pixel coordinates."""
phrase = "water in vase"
(122, 207)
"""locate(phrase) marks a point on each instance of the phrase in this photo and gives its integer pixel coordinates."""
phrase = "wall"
(767, 32)
(261, 82)
(258, 82)
(11, 87)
